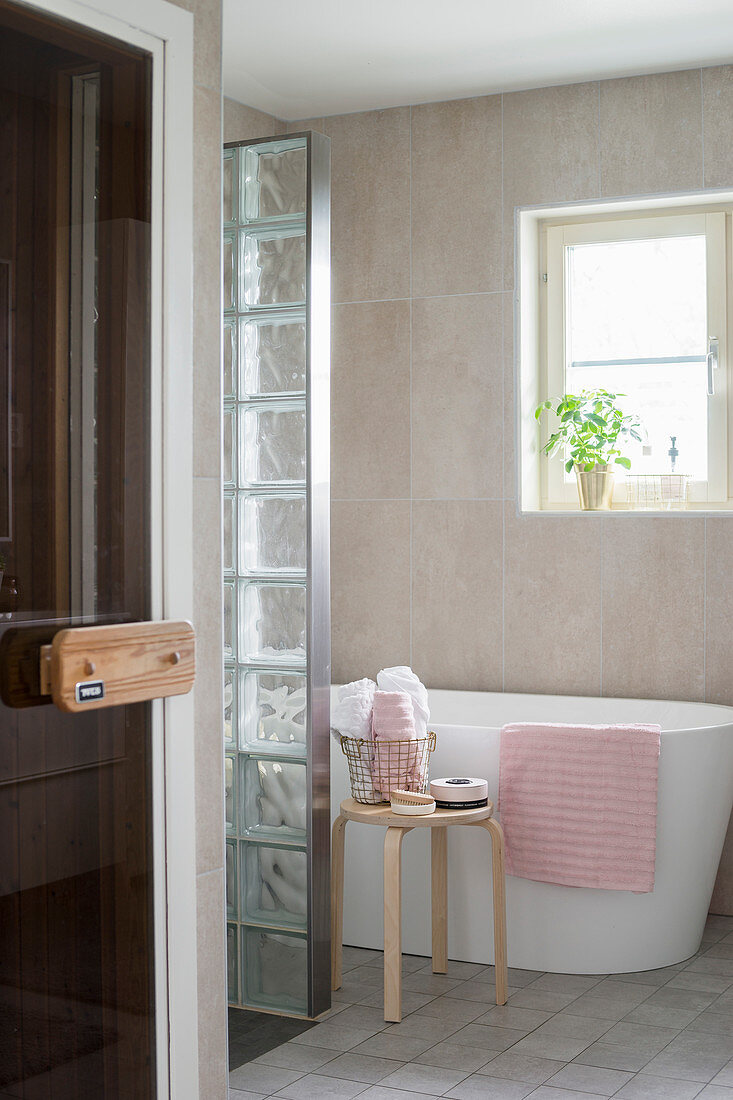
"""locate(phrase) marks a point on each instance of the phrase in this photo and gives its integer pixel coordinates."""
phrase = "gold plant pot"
(595, 488)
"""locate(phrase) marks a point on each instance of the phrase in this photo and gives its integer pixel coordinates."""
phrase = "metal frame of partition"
(243, 929)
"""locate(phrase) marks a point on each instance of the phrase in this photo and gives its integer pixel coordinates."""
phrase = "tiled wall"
(431, 564)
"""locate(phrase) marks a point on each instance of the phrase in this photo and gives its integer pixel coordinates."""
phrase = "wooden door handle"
(89, 667)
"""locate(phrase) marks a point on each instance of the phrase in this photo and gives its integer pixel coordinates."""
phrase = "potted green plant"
(591, 429)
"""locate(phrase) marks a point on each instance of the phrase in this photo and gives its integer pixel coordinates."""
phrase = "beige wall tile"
(552, 603)
(456, 594)
(370, 587)
(510, 425)
(653, 618)
(456, 196)
(299, 124)
(370, 411)
(719, 611)
(209, 715)
(457, 396)
(651, 133)
(717, 98)
(212, 999)
(243, 123)
(207, 44)
(550, 152)
(207, 284)
(370, 204)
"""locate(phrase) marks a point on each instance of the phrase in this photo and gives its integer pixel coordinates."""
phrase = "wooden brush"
(411, 804)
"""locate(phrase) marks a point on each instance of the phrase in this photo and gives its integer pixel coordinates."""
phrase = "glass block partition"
(276, 575)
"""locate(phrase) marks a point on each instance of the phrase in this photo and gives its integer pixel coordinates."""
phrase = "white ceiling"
(307, 58)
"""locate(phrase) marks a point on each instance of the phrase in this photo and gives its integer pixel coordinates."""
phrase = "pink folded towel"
(393, 767)
(579, 804)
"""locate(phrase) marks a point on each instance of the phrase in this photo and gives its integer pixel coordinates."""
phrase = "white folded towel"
(402, 678)
(352, 715)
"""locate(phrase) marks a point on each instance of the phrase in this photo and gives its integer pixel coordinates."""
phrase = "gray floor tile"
(367, 975)
(428, 1027)
(724, 1003)
(480, 1087)
(403, 1048)
(648, 977)
(705, 983)
(266, 1079)
(661, 1017)
(522, 1067)
(362, 1018)
(450, 1055)
(561, 1047)
(333, 1037)
(428, 1079)
(450, 1008)
(716, 1092)
(237, 1094)
(674, 997)
(720, 951)
(426, 982)
(360, 956)
(487, 1037)
(725, 1077)
(574, 1027)
(520, 1019)
(315, 1087)
(707, 965)
(476, 990)
(604, 1082)
(642, 1037)
(541, 999)
(458, 969)
(609, 1056)
(612, 999)
(685, 1066)
(360, 1067)
(645, 1087)
(411, 1002)
(296, 1056)
(711, 1023)
(544, 1092)
(410, 963)
(523, 977)
(564, 983)
(377, 1092)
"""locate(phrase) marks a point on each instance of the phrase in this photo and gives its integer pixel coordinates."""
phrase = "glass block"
(230, 708)
(274, 180)
(272, 354)
(230, 358)
(274, 885)
(230, 271)
(272, 442)
(229, 466)
(272, 533)
(229, 189)
(272, 268)
(273, 798)
(275, 970)
(229, 550)
(230, 620)
(272, 623)
(273, 711)
(230, 793)
(232, 965)
(231, 880)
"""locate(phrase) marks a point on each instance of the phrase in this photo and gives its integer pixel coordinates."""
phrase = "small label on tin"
(89, 691)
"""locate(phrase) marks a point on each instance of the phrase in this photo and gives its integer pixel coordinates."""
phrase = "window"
(633, 303)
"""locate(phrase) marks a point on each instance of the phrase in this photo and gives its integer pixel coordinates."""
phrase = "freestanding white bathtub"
(557, 928)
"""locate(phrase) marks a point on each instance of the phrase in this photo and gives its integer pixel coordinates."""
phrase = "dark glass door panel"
(76, 941)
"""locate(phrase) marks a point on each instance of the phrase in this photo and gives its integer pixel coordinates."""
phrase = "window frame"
(541, 320)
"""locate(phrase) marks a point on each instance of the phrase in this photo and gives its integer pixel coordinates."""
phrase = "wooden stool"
(397, 826)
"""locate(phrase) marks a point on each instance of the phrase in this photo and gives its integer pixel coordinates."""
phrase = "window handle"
(712, 361)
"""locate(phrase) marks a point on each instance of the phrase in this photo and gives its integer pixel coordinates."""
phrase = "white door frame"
(166, 32)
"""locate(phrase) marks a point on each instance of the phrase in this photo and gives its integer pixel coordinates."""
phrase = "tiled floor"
(254, 1033)
(658, 1035)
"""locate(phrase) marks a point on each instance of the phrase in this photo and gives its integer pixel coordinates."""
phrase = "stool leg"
(337, 899)
(393, 924)
(498, 878)
(439, 897)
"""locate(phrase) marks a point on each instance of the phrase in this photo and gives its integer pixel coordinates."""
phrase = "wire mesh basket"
(378, 767)
(657, 491)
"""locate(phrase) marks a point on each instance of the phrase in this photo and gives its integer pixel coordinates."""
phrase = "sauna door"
(76, 960)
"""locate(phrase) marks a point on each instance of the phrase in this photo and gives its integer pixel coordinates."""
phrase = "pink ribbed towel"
(393, 767)
(579, 804)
